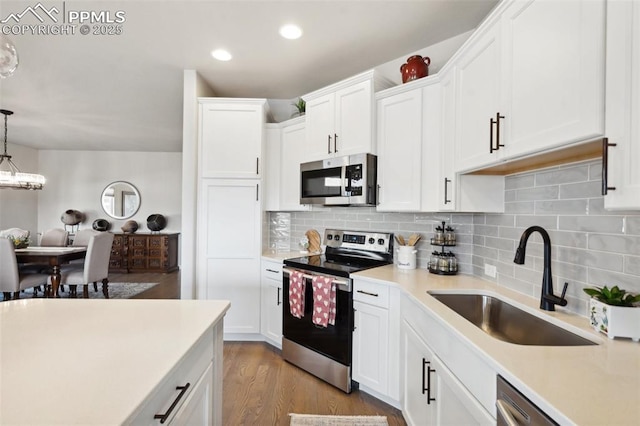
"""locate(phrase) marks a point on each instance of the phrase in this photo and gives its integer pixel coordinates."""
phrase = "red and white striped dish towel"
(296, 293)
(324, 301)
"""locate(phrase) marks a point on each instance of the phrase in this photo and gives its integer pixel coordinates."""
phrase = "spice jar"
(438, 237)
(449, 236)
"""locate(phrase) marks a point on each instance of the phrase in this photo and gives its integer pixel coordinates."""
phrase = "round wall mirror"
(120, 200)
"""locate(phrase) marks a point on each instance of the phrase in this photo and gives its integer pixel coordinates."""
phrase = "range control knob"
(381, 241)
(336, 237)
(329, 237)
(372, 240)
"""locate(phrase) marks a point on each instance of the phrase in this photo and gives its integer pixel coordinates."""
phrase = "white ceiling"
(124, 92)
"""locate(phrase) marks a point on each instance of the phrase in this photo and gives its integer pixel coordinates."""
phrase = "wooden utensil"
(401, 240)
(413, 239)
(398, 240)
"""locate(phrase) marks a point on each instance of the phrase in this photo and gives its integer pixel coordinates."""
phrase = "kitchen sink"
(508, 323)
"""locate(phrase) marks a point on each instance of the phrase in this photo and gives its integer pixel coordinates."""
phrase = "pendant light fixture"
(13, 178)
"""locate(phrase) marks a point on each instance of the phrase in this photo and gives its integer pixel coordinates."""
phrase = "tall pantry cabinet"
(231, 133)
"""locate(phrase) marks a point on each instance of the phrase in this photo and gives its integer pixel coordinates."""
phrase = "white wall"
(194, 87)
(76, 179)
(18, 207)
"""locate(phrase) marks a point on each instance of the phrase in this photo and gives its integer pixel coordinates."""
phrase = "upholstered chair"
(56, 237)
(11, 279)
(95, 267)
(83, 236)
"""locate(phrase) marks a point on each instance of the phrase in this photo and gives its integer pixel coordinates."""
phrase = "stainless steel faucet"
(548, 300)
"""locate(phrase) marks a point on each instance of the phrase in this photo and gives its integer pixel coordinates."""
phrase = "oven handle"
(341, 284)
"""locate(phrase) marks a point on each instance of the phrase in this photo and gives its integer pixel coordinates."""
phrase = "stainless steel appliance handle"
(505, 413)
(344, 284)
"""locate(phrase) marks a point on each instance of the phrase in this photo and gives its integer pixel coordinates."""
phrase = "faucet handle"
(564, 291)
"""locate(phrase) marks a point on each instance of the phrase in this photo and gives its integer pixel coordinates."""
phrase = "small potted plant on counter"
(614, 312)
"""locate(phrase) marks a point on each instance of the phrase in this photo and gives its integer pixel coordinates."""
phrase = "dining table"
(53, 257)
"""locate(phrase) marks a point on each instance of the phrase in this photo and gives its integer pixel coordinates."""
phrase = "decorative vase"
(130, 226)
(156, 222)
(415, 68)
(615, 321)
(101, 225)
(71, 217)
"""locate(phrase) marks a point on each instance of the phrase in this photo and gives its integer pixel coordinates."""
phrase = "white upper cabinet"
(478, 99)
(529, 80)
(621, 174)
(293, 150)
(271, 168)
(231, 135)
(553, 71)
(340, 117)
(399, 122)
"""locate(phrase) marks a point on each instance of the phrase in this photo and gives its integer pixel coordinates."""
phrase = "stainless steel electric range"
(326, 351)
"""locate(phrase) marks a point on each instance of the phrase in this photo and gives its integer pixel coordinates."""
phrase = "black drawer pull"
(605, 166)
(271, 270)
(367, 293)
(163, 417)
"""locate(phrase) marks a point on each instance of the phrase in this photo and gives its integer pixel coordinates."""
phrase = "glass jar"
(443, 263)
(438, 237)
(449, 236)
(453, 263)
(433, 261)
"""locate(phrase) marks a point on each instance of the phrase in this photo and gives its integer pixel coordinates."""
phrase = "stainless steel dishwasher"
(513, 408)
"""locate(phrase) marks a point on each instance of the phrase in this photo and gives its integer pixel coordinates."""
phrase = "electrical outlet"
(490, 270)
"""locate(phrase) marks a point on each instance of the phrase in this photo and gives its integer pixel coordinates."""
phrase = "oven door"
(333, 341)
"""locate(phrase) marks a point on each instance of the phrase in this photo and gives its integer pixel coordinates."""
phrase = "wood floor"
(259, 387)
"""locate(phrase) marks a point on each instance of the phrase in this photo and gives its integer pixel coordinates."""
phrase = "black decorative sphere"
(156, 222)
(101, 225)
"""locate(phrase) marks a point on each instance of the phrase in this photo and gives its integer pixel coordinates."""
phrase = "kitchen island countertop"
(584, 385)
(78, 361)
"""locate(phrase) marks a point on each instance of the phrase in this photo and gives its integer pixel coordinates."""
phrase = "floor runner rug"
(316, 420)
(116, 291)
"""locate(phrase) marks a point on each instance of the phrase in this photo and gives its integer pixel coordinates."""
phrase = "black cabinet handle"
(278, 301)
(257, 192)
(328, 144)
(335, 142)
(495, 122)
(367, 293)
(257, 165)
(446, 182)
(272, 270)
(163, 417)
(426, 375)
(605, 166)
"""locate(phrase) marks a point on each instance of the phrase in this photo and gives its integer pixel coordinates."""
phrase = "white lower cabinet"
(272, 299)
(191, 394)
(375, 339)
(443, 381)
(229, 250)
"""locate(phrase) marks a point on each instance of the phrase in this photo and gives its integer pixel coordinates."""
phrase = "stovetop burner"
(348, 252)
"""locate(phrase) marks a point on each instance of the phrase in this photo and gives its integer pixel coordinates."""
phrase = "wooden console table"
(144, 252)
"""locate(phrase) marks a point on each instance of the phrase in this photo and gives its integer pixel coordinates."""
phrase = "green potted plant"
(301, 106)
(20, 242)
(614, 312)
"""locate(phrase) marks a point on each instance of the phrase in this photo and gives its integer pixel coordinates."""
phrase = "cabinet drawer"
(372, 293)
(272, 270)
(188, 370)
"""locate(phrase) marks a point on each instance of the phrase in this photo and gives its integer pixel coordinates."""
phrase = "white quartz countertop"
(82, 362)
(584, 385)
(282, 255)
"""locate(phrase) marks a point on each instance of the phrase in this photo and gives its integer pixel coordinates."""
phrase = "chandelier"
(13, 178)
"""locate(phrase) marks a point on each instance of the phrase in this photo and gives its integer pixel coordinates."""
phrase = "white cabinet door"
(320, 124)
(271, 324)
(399, 133)
(478, 100)
(553, 74)
(271, 168)
(417, 409)
(623, 106)
(370, 347)
(231, 134)
(197, 409)
(229, 249)
(442, 193)
(354, 120)
(294, 149)
(432, 394)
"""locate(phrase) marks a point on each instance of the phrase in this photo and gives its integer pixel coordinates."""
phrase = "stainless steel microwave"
(340, 181)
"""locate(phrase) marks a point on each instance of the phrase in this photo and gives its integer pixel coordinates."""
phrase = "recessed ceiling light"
(221, 55)
(291, 31)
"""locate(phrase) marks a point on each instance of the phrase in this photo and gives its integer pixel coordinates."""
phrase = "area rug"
(116, 291)
(316, 420)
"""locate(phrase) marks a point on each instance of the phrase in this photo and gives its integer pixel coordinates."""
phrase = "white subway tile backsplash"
(590, 245)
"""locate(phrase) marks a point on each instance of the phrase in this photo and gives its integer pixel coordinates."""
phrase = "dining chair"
(83, 236)
(12, 280)
(95, 267)
(56, 237)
